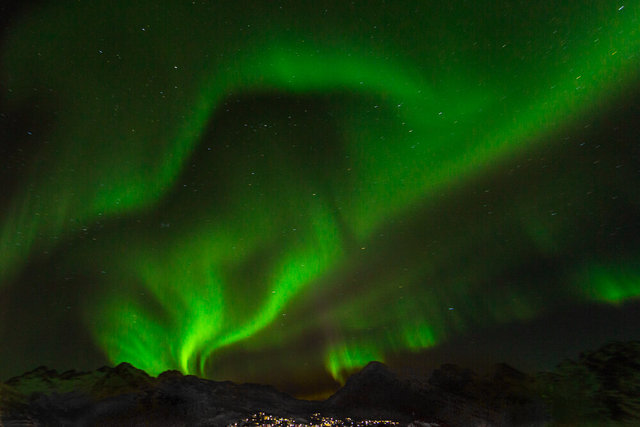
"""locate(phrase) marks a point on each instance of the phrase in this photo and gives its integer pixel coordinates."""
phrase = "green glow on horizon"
(613, 284)
(414, 119)
(200, 316)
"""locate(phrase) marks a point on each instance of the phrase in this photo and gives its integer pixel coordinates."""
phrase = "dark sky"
(281, 192)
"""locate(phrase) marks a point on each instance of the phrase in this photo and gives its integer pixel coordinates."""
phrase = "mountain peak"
(376, 386)
(372, 373)
(375, 367)
(41, 372)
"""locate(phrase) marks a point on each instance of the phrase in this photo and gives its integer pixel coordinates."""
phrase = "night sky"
(282, 191)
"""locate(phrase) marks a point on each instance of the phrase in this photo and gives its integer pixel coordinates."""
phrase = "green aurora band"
(400, 103)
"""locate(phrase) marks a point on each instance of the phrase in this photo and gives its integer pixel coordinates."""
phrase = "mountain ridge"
(451, 396)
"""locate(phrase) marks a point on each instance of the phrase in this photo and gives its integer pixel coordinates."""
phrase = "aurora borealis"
(283, 191)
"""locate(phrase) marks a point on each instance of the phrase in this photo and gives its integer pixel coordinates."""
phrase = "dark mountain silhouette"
(601, 386)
